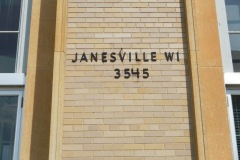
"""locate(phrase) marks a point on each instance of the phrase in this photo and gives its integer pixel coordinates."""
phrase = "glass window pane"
(9, 15)
(236, 114)
(5, 152)
(235, 47)
(8, 48)
(8, 113)
(233, 14)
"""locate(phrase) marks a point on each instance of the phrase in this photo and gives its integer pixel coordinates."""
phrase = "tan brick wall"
(126, 119)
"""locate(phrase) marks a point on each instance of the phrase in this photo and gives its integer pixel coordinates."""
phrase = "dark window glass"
(233, 18)
(236, 114)
(9, 15)
(8, 113)
(233, 14)
(8, 48)
(235, 47)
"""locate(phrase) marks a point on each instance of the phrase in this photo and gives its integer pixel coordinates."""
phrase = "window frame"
(231, 121)
(18, 77)
(22, 44)
(12, 84)
(230, 77)
(23, 38)
(18, 127)
(224, 36)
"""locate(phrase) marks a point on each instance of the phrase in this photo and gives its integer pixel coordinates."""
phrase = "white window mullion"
(232, 127)
(23, 27)
(18, 127)
(234, 32)
(9, 31)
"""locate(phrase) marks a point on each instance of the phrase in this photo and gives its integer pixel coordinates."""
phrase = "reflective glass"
(8, 114)
(235, 47)
(8, 49)
(236, 114)
(233, 14)
(9, 15)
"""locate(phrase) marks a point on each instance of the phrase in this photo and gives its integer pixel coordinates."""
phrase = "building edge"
(58, 82)
(209, 144)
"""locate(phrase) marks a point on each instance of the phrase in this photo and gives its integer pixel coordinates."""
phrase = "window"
(228, 12)
(233, 20)
(234, 118)
(14, 27)
(12, 35)
(10, 122)
(9, 30)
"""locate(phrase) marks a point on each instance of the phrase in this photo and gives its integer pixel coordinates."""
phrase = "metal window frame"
(23, 37)
(22, 48)
(231, 121)
(13, 84)
(18, 127)
(232, 78)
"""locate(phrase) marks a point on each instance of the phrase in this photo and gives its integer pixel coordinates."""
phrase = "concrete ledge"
(13, 79)
(232, 78)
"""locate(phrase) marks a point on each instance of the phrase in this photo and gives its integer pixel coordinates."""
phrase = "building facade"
(119, 79)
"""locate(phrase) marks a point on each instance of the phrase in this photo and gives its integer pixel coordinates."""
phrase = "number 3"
(118, 75)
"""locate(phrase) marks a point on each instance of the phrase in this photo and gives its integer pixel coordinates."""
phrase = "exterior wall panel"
(135, 118)
(39, 80)
(178, 112)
